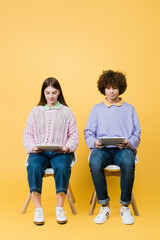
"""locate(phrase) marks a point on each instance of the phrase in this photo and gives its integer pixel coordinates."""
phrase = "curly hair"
(111, 78)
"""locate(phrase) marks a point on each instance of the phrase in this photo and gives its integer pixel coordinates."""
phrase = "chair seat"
(112, 168)
(49, 171)
(117, 168)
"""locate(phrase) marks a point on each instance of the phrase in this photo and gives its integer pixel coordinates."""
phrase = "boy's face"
(112, 94)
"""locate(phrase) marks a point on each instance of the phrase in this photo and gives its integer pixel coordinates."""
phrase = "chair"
(70, 197)
(113, 170)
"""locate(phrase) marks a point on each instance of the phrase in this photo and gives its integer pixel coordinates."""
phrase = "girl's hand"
(37, 150)
(97, 144)
(63, 150)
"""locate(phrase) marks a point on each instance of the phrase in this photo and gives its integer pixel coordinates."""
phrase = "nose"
(111, 90)
(50, 95)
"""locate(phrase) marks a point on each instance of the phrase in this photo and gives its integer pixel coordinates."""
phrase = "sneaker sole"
(128, 223)
(62, 222)
(38, 223)
(102, 222)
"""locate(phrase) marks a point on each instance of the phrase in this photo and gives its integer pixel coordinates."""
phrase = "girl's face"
(51, 95)
(112, 94)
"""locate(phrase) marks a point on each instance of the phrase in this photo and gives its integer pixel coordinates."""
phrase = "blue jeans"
(101, 158)
(37, 163)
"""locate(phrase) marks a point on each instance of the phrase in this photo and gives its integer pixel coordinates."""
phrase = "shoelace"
(37, 213)
(126, 212)
(103, 211)
(61, 212)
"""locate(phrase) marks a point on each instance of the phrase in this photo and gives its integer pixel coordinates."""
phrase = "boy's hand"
(97, 144)
(125, 144)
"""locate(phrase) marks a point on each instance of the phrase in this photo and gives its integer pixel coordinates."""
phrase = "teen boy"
(113, 118)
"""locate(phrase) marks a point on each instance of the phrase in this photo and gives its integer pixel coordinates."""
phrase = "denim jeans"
(37, 163)
(101, 158)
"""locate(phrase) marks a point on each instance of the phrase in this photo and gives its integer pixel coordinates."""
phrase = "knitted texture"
(51, 127)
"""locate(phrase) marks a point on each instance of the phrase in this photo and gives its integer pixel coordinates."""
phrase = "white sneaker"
(61, 218)
(126, 215)
(104, 213)
(38, 218)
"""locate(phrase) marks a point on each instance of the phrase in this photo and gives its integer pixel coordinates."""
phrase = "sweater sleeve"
(91, 130)
(28, 135)
(134, 140)
(72, 134)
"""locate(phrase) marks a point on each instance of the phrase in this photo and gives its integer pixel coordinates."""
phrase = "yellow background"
(74, 41)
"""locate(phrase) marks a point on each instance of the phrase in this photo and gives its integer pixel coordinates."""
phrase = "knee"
(128, 164)
(95, 165)
(35, 169)
(62, 168)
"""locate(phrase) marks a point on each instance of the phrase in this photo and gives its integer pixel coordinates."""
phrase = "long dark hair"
(53, 82)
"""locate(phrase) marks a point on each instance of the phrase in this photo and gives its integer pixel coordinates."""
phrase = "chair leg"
(93, 203)
(70, 200)
(134, 206)
(71, 193)
(91, 198)
(26, 203)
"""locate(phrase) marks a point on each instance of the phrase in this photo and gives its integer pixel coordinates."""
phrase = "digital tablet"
(111, 140)
(49, 148)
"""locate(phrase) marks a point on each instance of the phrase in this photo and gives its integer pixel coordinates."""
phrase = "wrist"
(67, 149)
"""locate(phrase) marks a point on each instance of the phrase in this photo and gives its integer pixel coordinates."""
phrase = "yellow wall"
(74, 41)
